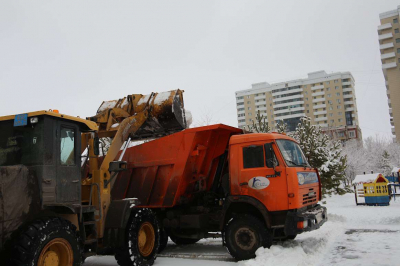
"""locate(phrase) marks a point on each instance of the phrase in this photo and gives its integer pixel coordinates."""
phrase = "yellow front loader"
(56, 182)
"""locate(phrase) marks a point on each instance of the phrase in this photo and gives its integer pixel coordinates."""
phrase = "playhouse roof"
(365, 178)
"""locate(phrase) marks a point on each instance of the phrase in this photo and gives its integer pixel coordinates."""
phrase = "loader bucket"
(166, 114)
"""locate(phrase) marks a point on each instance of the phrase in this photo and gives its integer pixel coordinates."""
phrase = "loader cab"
(47, 146)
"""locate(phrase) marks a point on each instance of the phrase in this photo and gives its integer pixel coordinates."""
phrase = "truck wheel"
(244, 234)
(163, 240)
(51, 241)
(142, 240)
(183, 241)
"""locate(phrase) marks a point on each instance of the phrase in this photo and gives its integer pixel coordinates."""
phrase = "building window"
(307, 105)
(329, 102)
(396, 30)
(240, 104)
(340, 134)
(332, 121)
(306, 98)
(398, 59)
(306, 92)
(324, 109)
(328, 95)
(338, 94)
(395, 20)
(339, 101)
(248, 102)
(335, 81)
(248, 108)
(249, 114)
(340, 113)
(330, 114)
(330, 108)
(327, 82)
(397, 40)
(339, 107)
(308, 111)
(316, 116)
(336, 87)
(328, 89)
(340, 120)
(352, 134)
(248, 96)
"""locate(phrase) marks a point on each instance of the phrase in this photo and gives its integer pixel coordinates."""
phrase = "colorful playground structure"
(375, 189)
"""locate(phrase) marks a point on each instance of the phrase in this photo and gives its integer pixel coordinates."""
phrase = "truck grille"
(310, 197)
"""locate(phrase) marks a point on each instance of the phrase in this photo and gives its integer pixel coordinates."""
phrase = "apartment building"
(389, 44)
(328, 99)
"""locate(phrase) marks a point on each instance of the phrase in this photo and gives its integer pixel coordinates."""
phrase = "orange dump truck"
(215, 181)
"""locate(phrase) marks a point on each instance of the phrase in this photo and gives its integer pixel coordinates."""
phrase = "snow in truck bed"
(353, 235)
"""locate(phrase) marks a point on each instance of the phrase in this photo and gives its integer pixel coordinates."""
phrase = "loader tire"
(47, 241)
(183, 241)
(142, 240)
(244, 234)
(163, 240)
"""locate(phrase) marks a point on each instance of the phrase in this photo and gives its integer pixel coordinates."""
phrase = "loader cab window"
(67, 146)
(253, 156)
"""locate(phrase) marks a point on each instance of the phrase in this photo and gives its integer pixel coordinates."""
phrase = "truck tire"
(46, 241)
(183, 241)
(142, 240)
(244, 234)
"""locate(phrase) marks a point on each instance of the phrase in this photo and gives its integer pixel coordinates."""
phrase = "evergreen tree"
(322, 154)
(261, 126)
(281, 127)
(384, 163)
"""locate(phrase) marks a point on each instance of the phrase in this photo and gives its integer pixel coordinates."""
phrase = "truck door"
(261, 179)
(68, 162)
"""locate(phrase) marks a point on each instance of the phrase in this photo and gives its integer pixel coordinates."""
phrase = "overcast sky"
(72, 55)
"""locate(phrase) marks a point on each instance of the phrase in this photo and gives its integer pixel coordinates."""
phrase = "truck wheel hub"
(57, 252)
(146, 239)
(245, 238)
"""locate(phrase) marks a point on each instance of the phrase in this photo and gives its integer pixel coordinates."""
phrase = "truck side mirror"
(96, 144)
(269, 155)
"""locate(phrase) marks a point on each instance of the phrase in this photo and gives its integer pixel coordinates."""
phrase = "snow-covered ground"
(353, 235)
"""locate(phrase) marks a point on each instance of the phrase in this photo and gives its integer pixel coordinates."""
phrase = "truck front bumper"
(298, 222)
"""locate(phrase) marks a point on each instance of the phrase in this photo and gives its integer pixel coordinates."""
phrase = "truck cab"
(270, 170)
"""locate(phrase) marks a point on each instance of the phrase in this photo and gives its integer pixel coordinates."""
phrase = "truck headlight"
(300, 178)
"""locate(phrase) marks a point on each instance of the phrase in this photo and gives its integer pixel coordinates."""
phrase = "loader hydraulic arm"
(134, 117)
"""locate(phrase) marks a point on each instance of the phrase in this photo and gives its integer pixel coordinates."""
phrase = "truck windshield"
(292, 153)
(20, 145)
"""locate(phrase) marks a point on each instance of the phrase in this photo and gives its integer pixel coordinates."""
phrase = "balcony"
(385, 36)
(348, 102)
(288, 91)
(241, 112)
(288, 104)
(320, 113)
(393, 131)
(318, 100)
(323, 125)
(260, 97)
(348, 96)
(289, 116)
(288, 98)
(317, 87)
(319, 106)
(347, 89)
(386, 46)
(289, 110)
(389, 65)
(349, 109)
(385, 26)
(347, 83)
(320, 119)
(318, 93)
(388, 55)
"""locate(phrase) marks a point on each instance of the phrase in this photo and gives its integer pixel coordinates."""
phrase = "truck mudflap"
(303, 221)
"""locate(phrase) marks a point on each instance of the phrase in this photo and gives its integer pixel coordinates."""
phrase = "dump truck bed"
(171, 170)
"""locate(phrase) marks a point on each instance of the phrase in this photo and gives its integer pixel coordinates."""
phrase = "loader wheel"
(51, 241)
(142, 240)
(163, 240)
(244, 234)
(183, 241)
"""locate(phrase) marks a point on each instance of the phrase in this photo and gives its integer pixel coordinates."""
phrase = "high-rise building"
(328, 99)
(389, 45)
